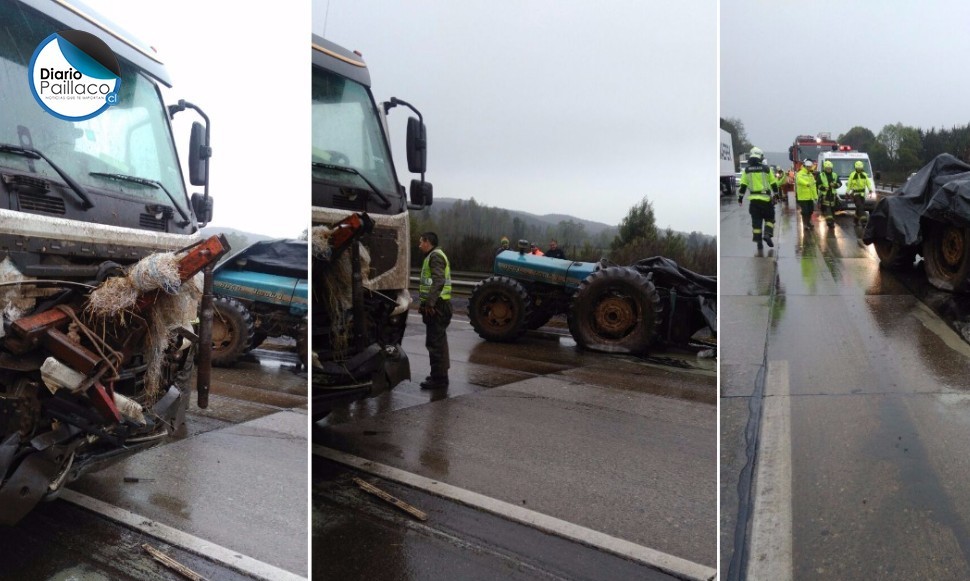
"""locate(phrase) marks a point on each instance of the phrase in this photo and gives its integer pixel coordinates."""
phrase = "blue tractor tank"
(528, 267)
(265, 288)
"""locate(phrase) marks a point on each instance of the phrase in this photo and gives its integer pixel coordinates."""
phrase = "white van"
(843, 164)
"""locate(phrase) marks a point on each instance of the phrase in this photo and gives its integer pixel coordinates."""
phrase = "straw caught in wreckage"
(91, 373)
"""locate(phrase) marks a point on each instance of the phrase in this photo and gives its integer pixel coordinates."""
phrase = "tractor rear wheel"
(893, 254)
(616, 310)
(500, 309)
(232, 331)
(946, 250)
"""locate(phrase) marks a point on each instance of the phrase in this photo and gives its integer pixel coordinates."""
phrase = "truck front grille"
(151, 222)
(344, 202)
(41, 203)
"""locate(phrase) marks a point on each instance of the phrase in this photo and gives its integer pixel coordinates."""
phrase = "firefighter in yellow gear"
(828, 184)
(859, 185)
(806, 192)
(762, 183)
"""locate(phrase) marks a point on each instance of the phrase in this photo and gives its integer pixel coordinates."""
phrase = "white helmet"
(808, 163)
(756, 152)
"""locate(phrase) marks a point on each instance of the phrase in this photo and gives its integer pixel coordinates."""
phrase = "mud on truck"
(610, 308)
(99, 263)
(360, 238)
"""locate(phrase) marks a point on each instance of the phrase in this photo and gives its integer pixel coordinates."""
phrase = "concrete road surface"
(579, 436)
(845, 411)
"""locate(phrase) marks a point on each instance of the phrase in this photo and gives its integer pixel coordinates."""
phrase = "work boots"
(434, 382)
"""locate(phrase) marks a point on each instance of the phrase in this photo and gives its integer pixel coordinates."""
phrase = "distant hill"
(238, 239)
(592, 228)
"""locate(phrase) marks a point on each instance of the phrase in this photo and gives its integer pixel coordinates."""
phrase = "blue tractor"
(261, 292)
(616, 309)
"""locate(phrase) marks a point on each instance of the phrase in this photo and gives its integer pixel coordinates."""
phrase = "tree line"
(470, 233)
(896, 151)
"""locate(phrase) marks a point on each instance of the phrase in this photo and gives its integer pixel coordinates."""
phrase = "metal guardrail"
(887, 188)
(462, 282)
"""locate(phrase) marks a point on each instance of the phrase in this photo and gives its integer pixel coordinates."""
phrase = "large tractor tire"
(946, 250)
(500, 309)
(615, 310)
(232, 331)
(893, 255)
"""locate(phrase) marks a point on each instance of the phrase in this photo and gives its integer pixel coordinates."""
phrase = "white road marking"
(181, 539)
(938, 327)
(770, 557)
(651, 557)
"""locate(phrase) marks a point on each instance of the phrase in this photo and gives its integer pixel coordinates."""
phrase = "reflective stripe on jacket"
(759, 180)
(827, 183)
(859, 182)
(426, 284)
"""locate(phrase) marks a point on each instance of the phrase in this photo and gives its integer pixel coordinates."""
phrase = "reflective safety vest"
(805, 187)
(859, 182)
(826, 180)
(424, 288)
(759, 180)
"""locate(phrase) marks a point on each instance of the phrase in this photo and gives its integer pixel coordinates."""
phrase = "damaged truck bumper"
(43, 465)
(371, 372)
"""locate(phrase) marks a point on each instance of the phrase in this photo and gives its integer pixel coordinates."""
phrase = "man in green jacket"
(806, 192)
(759, 179)
(434, 290)
(859, 185)
(828, 182)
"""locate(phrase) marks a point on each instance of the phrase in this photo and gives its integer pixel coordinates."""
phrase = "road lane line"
(771, 521)
(667, 563)
(938, 327)
(181, 539)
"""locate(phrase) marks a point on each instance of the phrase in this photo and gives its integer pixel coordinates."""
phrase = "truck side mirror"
(199, 154)
(421, 193)
(878, 175)
(202, 206)
(791, 152)
(417, 146)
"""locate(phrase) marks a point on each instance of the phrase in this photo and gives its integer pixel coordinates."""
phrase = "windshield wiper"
(32, 153)
(145, 182)
(342, 168)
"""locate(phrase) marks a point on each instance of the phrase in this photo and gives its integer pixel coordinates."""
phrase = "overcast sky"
(791, 68)
(248, 70)
(546, 106)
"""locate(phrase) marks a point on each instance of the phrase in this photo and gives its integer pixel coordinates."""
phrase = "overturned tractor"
(616, 309)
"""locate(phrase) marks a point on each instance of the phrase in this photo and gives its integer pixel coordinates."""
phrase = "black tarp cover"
(280, 257)
(668, 274)
(939, 191)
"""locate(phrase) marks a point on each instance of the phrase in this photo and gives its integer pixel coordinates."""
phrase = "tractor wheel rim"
(952, 247)
(614, 316)
(221, 333)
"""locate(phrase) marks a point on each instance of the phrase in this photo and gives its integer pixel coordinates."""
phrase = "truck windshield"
(131, 138)
(347, 132)
(811, 151)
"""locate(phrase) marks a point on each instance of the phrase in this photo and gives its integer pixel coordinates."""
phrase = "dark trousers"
(828, 203)
(860, 207)
(761, 212)
(807, 207)
(436, 339)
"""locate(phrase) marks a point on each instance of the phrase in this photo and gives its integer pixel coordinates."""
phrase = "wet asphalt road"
(853, 393)
(608, 443)
(237, 478)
